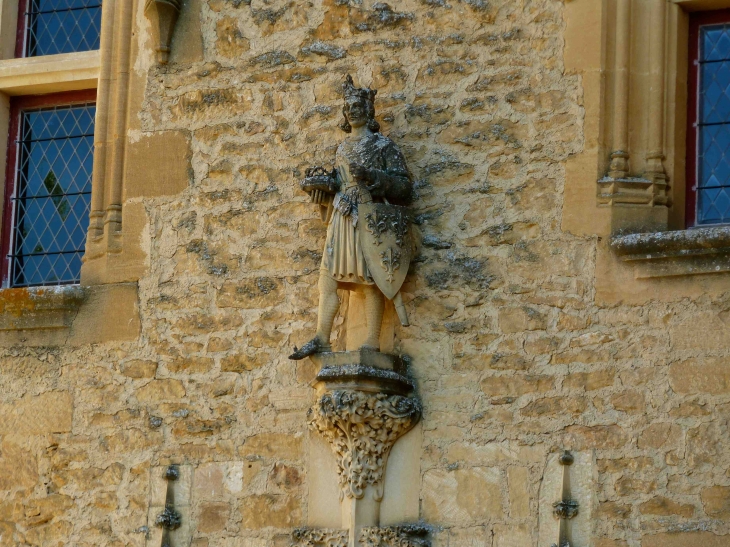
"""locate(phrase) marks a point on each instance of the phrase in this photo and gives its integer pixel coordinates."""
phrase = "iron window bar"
(44, 12)
(49, 253)
(51, 196)
(59, 138)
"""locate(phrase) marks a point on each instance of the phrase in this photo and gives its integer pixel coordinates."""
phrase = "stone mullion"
(101, 142)
(619, 167)
(655, 144)
(118, 109)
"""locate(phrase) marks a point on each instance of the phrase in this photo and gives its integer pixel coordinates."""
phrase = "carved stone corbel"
(322, 537)
(409, 535)
(163, 15)
(361, 428)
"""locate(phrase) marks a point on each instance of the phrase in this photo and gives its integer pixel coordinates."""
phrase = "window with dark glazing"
(708, 171)
(48, 27)
(47, 209)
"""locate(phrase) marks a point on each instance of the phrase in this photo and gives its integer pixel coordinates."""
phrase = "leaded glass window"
(51, 197)
(713, 126)
(60, 26)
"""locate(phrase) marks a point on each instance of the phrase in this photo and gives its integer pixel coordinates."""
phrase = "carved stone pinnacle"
(361, 428)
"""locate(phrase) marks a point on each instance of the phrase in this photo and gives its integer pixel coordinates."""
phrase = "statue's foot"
(315, 345)
(370, 347)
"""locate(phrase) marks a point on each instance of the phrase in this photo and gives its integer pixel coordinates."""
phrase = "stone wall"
(513, 357)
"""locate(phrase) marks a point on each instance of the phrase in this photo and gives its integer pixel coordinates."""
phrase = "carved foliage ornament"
(322, 537)
(393, 536)
(361, 429)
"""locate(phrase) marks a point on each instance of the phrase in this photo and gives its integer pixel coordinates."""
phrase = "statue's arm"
(395, 182)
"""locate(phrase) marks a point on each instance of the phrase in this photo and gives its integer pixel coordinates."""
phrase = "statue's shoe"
(315, 345)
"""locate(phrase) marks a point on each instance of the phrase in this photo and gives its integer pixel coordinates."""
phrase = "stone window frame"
(697, 20)
(100, 308)
(19, 105)
(642, 158)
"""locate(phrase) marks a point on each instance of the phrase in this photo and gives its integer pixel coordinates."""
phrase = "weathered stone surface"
(463, 496)
(518, 479)
(521, 319)
(716, 501)
(660, 506)
(244, 362)
(18, 467)
(590, 381)
(707, 375)
(262, 292)
(138, 368)
(271, 510)
(161, 390)
(660, 435)
(511, 536)
(515, 386)
(273, 445)
(213, 517)
(684, 539)
(600, 437)
(50, 412)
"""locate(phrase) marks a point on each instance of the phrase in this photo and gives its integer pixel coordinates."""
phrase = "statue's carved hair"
(368, 95)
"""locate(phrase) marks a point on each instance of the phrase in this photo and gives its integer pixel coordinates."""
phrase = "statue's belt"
(346, 203)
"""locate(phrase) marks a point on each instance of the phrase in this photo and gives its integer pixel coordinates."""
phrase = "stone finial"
(163, 15)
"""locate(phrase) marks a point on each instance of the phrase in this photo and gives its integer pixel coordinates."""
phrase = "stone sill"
(40, 307)
(69, 314)
(682, 252)
(50, 73)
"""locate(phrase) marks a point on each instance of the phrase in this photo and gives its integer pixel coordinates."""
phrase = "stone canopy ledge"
(682, 252)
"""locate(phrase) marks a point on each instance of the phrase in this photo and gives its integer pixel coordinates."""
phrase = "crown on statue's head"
(349, 90)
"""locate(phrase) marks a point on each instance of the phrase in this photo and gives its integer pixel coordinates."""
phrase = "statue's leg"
(329, 303)
(374, 308)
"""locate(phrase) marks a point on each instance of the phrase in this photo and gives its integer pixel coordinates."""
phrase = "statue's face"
(356, 110)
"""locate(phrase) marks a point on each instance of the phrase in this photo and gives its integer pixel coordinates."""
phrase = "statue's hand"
(360, 174)
(376, 188)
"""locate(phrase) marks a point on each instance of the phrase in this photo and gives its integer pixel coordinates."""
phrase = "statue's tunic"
(343, 256)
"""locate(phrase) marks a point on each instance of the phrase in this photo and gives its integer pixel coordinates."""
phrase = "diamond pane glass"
(713, 127)
(62, 26)
(53, 194)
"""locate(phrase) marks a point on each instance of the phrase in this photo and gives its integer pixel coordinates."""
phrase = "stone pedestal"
(365, 404)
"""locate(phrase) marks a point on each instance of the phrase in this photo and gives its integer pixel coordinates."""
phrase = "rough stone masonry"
(513, 357)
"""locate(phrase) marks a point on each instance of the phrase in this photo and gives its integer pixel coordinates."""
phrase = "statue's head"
(359, 108)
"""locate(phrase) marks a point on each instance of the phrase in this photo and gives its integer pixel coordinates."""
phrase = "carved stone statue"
(369, 243)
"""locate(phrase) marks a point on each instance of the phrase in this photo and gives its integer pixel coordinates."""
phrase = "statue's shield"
(387, 243)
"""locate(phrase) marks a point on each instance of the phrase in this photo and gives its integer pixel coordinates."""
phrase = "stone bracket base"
(682, 252)
(409, 535)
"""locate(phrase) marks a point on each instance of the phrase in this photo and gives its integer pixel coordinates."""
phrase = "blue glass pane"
(52, 196)
(715, 92)
(713, 205)
(714, 42)
(62, 26)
